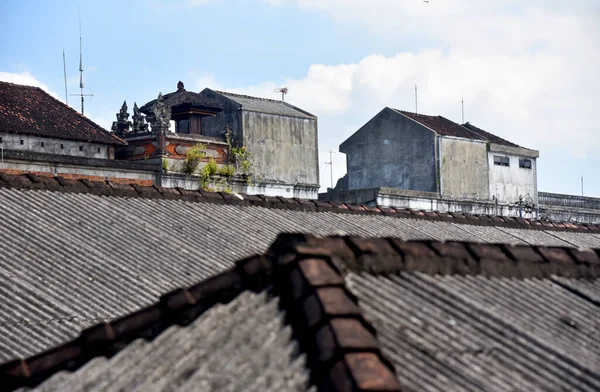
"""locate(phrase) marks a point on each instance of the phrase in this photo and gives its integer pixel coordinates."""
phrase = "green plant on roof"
(165, 164)
(193, 156)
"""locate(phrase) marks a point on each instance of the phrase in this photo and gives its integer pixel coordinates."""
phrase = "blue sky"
(527, 72)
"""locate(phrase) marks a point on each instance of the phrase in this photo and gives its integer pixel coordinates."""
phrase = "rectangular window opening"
(21, 141)
(98, 150)
(501, 161)
(525, 163)
(42, 144)
(80, 148)
(62, 147)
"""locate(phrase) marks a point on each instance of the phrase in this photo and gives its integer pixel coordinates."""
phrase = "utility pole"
(330, 163)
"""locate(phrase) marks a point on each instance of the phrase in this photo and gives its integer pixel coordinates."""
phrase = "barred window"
(525, 163)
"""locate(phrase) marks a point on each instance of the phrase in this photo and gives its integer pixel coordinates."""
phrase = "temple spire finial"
(180, 87)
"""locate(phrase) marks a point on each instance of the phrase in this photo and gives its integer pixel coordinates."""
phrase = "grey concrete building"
(414, 160)
(282, 139)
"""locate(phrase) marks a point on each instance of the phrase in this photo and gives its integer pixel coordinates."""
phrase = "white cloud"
(27, 79)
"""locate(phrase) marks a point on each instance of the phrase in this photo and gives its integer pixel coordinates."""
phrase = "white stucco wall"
(507, 183)
(12, 141)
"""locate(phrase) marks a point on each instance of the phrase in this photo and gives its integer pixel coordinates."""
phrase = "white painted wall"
(508, 182)
(12, 141)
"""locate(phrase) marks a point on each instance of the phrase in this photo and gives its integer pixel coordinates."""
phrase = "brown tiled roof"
(31, 111)
(342, 345)
(108, 188)
(442, 125)
(489, 136)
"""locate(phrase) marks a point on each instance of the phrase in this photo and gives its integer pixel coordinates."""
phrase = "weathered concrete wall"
(507, 183)
(283, 148)
(464, 168)
(391, 151)
(17, 162)
(12, 141)
(231, 116)
(177, 180)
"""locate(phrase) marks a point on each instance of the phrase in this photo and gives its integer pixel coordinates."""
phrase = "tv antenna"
(462, 104)
(81, 94)
(283, 91)
(330, 164)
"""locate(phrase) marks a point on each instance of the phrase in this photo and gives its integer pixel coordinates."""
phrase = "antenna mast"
(416, 111)
(330, 163)
(81, 94)
(65, 71)
(283, 91)
(462, 104)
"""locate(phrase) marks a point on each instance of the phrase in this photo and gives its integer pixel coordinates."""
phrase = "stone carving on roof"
(139, 121)
(160, 120)
(122, 126)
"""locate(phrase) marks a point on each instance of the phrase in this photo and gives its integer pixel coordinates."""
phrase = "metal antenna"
(582, 185)
(283, 91)
(416, 111)
(81, 94)
(462, 104)
(330, 163)
(65, 71)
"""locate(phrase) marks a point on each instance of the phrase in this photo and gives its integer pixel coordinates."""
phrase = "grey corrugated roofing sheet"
(69, 261)
(241, 346)
(483, 334)
(264, 105)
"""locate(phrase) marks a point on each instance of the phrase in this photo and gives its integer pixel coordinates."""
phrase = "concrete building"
(409, 151)
(414, 160)
(43, 136)
(264, 146)
(282, 138)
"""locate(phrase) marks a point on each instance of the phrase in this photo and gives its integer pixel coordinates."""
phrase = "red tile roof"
(490, 136)
(31, 111)
(442, 125)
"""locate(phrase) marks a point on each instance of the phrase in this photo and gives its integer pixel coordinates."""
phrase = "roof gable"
(265, 105)
(31, 111)
(490, 136)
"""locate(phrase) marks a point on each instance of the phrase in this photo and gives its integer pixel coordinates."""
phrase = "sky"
(526, 71)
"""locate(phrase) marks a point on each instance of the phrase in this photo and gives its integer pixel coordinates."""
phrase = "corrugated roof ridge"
(104, 131)
(248, 96)
(108, 188)
(177, 307)
(306, 272)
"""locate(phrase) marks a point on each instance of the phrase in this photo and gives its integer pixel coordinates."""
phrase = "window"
(0, 139)
(80, 148)
(98, 150)
(501, 161)
(62, 147)
(42, 144)
(525, 163)
(21, 141)
(183, 126)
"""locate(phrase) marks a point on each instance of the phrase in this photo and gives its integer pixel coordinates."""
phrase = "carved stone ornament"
(139, 121)
(122, 126)
(162, 114)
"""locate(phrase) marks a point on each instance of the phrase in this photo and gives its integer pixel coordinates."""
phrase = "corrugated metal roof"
(264, 105)
(68, 260)
(241, 346)
(465, 333)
